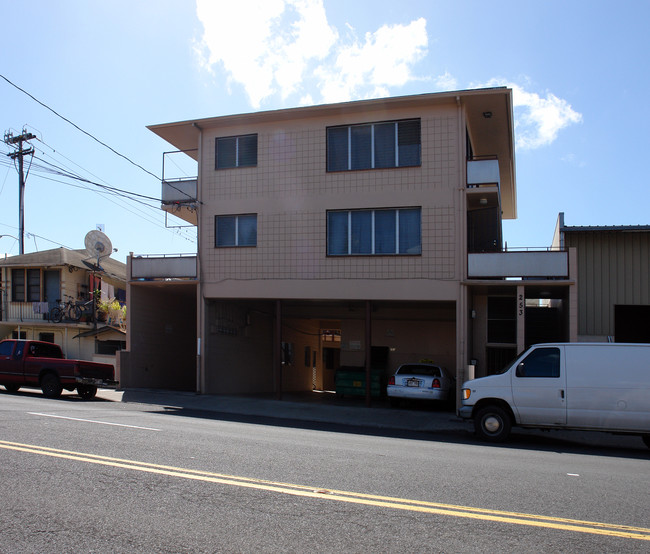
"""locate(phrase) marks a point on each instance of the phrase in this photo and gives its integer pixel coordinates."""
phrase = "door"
(12, 364)
(539, 388)
(52, 288)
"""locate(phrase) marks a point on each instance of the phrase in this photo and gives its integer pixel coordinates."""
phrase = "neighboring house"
(613, 280)
(33, 284)
(363, 234)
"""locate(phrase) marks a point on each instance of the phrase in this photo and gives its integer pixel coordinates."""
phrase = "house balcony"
(483, 184)
(25, 312)
(157, 267)
(179, 198)
(542, 265)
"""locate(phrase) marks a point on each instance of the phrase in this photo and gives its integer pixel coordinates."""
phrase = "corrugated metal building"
(613, 280)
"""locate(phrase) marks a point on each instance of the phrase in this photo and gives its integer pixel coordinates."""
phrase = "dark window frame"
(360, 240)
(239, 240)
(237, 151)
(363, 146)
(26, 284)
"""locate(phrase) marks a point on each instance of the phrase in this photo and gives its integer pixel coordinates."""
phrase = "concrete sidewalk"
(327, 409)
(309, 407)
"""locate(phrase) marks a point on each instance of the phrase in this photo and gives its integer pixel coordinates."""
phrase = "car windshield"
(429, 370)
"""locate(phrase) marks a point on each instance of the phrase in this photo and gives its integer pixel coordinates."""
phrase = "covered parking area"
(288, 346)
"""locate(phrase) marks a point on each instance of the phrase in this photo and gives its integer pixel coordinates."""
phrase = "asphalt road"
(103, 476)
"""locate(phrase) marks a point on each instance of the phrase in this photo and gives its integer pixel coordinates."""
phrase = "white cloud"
(446, 82)
(538, 119)
(288, 47)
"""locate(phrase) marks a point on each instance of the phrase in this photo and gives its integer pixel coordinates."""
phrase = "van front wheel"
(492, 424)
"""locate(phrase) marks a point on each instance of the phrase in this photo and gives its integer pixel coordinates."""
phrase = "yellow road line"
(468, 512)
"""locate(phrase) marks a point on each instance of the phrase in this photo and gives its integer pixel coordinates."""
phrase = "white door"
(539, 388)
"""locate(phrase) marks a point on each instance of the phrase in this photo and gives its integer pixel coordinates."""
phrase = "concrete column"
(521, 318)
(368, 342)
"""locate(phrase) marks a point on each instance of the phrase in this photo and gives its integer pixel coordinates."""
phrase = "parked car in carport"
(420, 381)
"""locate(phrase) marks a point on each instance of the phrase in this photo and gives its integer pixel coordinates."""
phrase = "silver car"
(420, 381)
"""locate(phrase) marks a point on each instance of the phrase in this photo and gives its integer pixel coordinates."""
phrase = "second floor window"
(374, 232)
(238, 151)
(236, 230)
(374, 145)
(25, 285)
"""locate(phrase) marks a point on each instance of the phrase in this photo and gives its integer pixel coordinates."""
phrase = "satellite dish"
(98, 245)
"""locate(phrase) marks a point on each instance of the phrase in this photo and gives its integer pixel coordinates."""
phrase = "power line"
(80, 129)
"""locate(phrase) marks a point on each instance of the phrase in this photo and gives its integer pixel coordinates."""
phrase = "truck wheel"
(87, 392)
(492, 424)
(12, 387)
(646, 439)
(51, 386)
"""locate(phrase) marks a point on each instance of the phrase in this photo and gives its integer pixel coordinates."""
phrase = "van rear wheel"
(492, 424)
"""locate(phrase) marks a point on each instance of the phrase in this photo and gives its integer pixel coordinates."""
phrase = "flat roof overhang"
(491, 136)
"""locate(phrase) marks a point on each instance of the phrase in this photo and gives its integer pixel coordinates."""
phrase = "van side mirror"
(521, 370)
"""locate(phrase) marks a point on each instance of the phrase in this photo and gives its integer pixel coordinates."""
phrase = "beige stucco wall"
(291, 192)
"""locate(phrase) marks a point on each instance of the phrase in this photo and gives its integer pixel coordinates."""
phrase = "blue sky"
(579, 71)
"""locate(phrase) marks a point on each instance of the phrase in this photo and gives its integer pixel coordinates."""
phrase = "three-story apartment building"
(363, 234)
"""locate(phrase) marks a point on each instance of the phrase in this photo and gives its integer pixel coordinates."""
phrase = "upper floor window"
(236, 230)
(374, 232)
(25, 285)
(374, 145)
(238, 151)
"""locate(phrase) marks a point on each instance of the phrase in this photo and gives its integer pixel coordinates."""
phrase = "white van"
(588, 386)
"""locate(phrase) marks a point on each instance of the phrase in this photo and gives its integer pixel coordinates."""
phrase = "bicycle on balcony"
(69, 310)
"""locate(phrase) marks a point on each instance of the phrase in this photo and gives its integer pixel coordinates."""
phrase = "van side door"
(539, 387)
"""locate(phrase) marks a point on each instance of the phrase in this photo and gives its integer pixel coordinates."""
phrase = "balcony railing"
(523, 265)
(25, 311)
(178, 266)
(180, 191)
(482, 173)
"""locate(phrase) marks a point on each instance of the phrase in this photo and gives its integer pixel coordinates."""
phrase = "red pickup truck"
(32, 363)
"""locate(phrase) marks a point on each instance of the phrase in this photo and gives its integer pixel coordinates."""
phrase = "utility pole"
(20, 154)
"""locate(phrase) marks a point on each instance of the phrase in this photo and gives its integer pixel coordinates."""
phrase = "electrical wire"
(80, 129)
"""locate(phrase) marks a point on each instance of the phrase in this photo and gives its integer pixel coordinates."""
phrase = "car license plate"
(357, 384)
(412, 382)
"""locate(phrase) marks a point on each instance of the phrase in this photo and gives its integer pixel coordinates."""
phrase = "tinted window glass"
(247, 230)
(6, 347)
(408, 140)
(385, 145)
(410, 241)
(337, 233)
(361, 155)
(226, 152)
(247, 151)
(337, 149)
(385, 231)
(361, 232)
(226, 226)
(541, 362)
(431, 371)
(40, 350)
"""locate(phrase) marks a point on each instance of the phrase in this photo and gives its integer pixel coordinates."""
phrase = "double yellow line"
(563, 524)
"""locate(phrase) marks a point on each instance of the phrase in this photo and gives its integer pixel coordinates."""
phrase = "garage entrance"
(316, 339)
